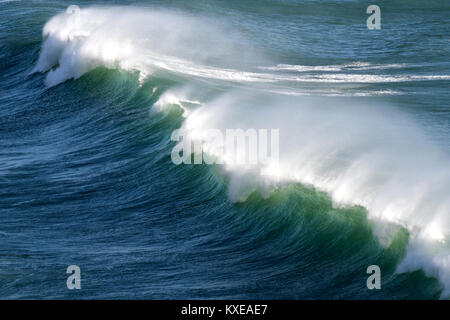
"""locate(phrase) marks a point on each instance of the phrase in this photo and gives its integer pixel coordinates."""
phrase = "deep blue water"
(86, 176)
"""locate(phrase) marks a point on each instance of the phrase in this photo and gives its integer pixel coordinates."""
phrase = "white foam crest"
(432, 257)
(176, 97)
(142, 40)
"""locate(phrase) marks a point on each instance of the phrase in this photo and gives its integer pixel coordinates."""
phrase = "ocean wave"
(359, 155)
(148, 40)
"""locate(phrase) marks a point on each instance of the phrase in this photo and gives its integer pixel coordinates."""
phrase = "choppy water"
(89, 101)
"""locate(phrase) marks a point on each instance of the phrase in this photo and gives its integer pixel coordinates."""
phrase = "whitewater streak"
(358, 153)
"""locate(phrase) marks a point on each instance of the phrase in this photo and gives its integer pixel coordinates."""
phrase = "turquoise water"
(89, 101)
